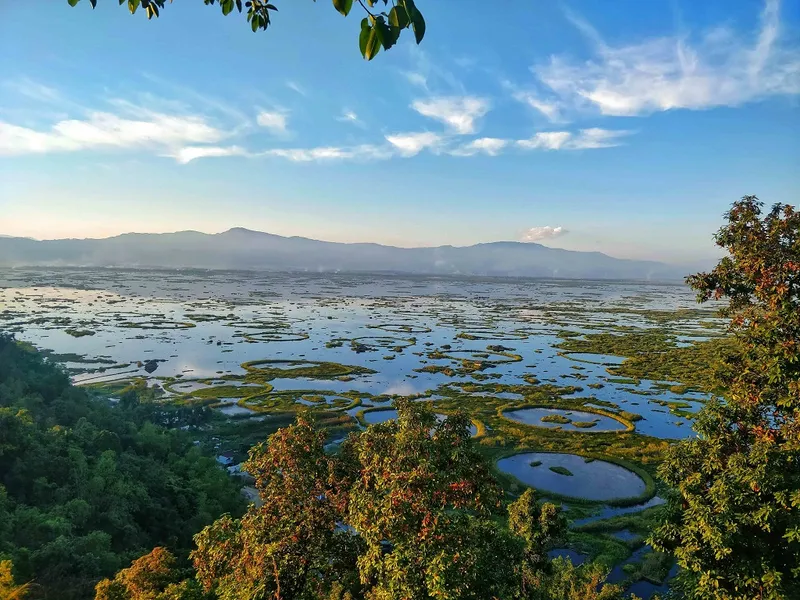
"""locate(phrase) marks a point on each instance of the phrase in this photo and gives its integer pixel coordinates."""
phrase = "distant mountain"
(240, 248)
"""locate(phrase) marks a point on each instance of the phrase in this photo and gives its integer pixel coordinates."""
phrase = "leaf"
(363, 37)
(343, 6)
(375, 39)
(389, 34)
(73, 2)
(133, 5)
(398, 17)
(227, 7)
(418, 25)
(254, 22)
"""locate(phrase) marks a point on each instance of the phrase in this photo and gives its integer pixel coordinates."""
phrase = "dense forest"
(87, 486)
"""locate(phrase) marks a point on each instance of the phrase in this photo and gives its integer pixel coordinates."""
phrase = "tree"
(151, 577)
(85, 486)
(540, 526)
(734, 521)
(292, 545)
(8, 589)
(379, 29)
(423, 503)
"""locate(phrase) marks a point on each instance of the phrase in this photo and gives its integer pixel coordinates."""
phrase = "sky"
(624, 127)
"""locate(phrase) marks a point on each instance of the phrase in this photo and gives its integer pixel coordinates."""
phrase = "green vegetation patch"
(276, 368)
(561, 470)
(560, 419)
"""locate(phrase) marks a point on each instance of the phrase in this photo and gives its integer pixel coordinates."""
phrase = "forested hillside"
(86, 486)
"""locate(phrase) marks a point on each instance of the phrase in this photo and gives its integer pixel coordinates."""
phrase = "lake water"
(596, 480)
(534, 416)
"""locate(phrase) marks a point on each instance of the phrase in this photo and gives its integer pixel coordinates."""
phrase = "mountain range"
(240, 248)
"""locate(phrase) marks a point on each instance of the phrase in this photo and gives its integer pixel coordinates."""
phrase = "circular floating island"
(566, 420)
(595, 480)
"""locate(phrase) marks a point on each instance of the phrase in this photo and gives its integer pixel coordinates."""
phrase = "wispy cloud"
(33, 90)
(537, 234)
(549, 109)
(458, 113)
(190, 153)
(415, 78)
(349, 116)
(107, 130)
(294, 86)
(585, 139)
(718, 68)
(328, 153)
(486, 145)
(275, 121)
(409, 144)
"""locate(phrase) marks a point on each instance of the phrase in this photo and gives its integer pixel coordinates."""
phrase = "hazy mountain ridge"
(241, 248)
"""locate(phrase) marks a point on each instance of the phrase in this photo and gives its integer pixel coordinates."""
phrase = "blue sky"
(626, 127)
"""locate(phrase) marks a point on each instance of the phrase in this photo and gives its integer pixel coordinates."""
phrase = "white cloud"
(326, 153)
(457, 112)
(33, 90)
(409, 144)
(275, 121)
(550, 140)
(550, 110)
(189, 153)
(349, 116)
(537, 234)
(565, 140)
(417, 79)
(107, 130)
(719, 68)
(487, 145)
(597, 138)
(293, 85)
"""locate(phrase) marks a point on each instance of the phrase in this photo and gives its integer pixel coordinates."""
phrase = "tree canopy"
(379, 28)
(734, 523)
(86, 486)
(407, 509)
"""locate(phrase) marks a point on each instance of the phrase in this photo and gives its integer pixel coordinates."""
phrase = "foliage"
(151, 577)
(291, 545)
(568, 582)
(86, 486)
(8, 589)
(407, 509)
(540, 526)
(379, 29)
(425, 490)
(734, 523)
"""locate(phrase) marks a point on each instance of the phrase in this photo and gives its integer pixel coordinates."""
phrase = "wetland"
(575, 388)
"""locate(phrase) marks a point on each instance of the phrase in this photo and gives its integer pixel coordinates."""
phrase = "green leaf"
(133, 5)
(398, 17)
(389, 34)
(418, 25)
(343, 6)
(254, 22)
(73, 2)
(227, 7)
(363, 37)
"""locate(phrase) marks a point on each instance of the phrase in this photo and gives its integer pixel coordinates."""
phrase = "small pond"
(234, 410)
(596, 480)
